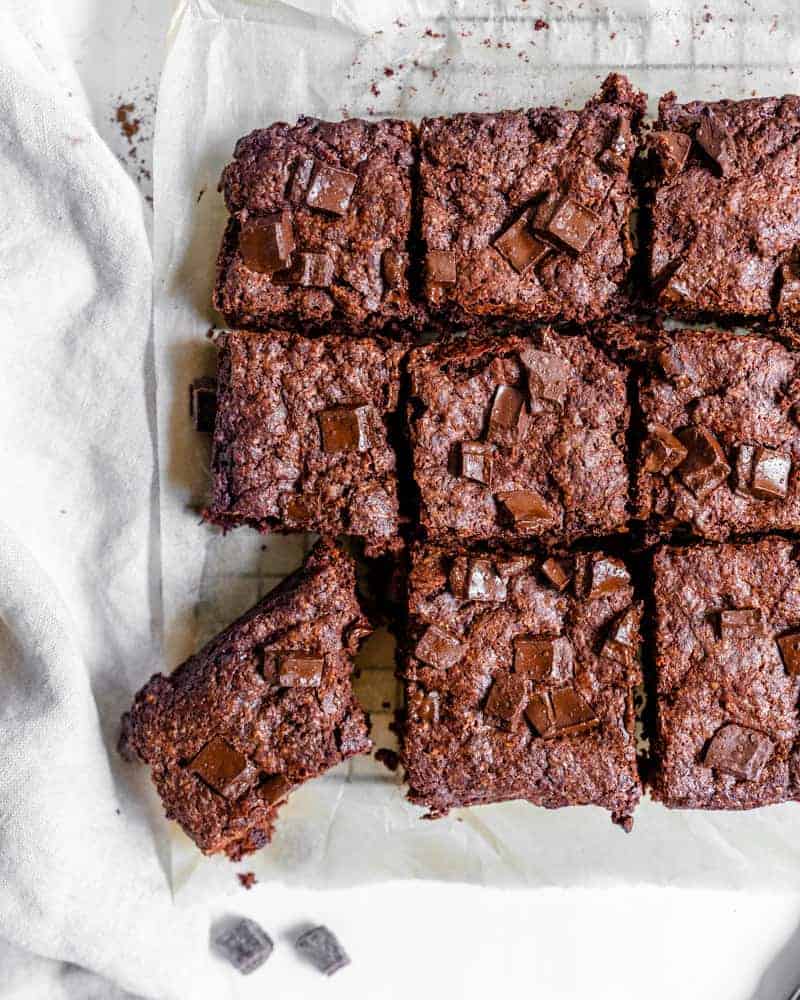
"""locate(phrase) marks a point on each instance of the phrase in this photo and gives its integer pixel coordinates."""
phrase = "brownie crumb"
(540, 24)
(389, 758)
(247, 879)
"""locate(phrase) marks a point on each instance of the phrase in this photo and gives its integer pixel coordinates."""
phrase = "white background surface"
(421, 939)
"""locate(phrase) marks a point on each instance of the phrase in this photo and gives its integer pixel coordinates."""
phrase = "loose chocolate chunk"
(671, 150)
(440, 267)
(311, 270)
(203, 404)
(323, 949)
(520, 247)
(789, 646)
(739, 751)
(242, 943)
(299, 670)
(557, 572)
(684, 285)
(622, 643)
(572, 714)
(770, 477)
(428, 712)
(476, 461)
(504, 416)
(741, 620)
(527, 509)
(266, 242)
(393, 267)
(438, 648)
(548, 375)
(300, 178)
(274, 788)
(616, 157)
(345, 428)
(607, 575)
(222, 768)
(664, 451)
(704, 468)
(330, 189)
(789, 291)
(507, 697)
(572, 225)
(544, 659)
(713, 137)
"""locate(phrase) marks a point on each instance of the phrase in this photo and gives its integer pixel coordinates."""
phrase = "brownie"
(525, 214)
(264, 707)
(300, 438)
(725, 211)
(727, 660)
(518, 437)
(722, 450)
(319, 228)
(519, 677)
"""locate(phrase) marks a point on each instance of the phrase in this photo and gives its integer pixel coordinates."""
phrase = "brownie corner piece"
(301, 440)
(519, 675)
(320, 226)
(725, 193)
(525, 214)
(262, 708)
(727, 643)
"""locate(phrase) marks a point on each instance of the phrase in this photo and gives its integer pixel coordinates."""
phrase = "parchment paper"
(235, 65)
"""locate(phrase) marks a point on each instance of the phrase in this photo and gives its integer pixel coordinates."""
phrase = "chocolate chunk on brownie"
(725, 207)
(518, 437)
(319, 228)
(517, 688)
(300, 440)
(235, 728)
(727, 627)
(525, 214)
(722, 446)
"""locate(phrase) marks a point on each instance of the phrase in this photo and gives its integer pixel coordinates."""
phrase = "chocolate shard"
(616, 157)
(520, 247)
(440, 267)
(548, 375)
(622, 643)
(572, 225)
(504, 416)
(671, 151)
(476, 461)
(557, 572)
(297, 669)
(300, 179)
(789, 645)
(704, 467)
(243, 943)
(539, 712)
(789, 291)
(528, 510)
(223, 768)
(732, 624)
(345, 428)
(664, 452)
(477, 579)
(770, 474)
(507, 698)
(438, 648)
(393, 267)
(330, 189)
(714, 139)
(546, 660)
(274, 788)
(311, 270)
(607, 575)
(572, 713)
(203, 404)
(323, 949)
(739, 751)
(266, 242)
(428, 710)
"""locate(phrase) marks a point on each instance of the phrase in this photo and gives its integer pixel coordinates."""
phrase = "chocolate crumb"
(247, 879)
(389, 758)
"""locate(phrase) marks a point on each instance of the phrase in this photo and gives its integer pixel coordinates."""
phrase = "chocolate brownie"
(517, 437)
(525, 214)
(262, 708)
(519, 681)
(722, 451)
(300, 439)
(319, 228)
(725, 210)
(727, 661)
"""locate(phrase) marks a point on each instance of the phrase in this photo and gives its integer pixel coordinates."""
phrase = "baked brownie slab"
(319, 228)
(525, 214)
(261, 709)
(518, 437)
(519, 681)
(727, 659)
(300, 440)
(726, 207)
(722, 451)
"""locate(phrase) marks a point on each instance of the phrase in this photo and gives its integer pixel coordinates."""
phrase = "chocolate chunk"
(557, 572)
(300, 178)
(548, 375)
(733, 624)
(789, 646)
(789, 291)
(476, 461)
(563, 712)
(438, 648)
(428, 711)
(266, 242)
(608, 575)
(203, 404)
(572, 225)
(345, 428)
(527, 509)
(684, 285)
(222, 768)
(242, 943)
(311, 270)
(393, 267)
(507, 697)
(671, 150)
(616, 157)
(520, 247)
(704, 468)
(739, 751)
(298, 510)
(322, 948)
(440, 267)
(299, 670)
(544, 659)
(539, 712)
(743, 469)
(274, 788)
(770, 476)
(476, 580)
(622, 643)
(664, 451)
(504, 416)
(330, 189)
(713, 137)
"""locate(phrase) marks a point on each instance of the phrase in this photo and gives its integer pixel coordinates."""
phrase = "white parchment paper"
(235, 65)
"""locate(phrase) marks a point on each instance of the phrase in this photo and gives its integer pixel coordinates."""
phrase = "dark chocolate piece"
(223, 768)
(438, 648)
(345, 428)
(507, 697)
(527, 510)
(562, 712)
(739, 751)
(482, 582)
(622, 643)
(789, 291)
(572, 225)
(323, 949)
(299, 670)
(664, 452)
(242, 943)
(311, 270)
(266, 242)
(789, 645)
(274, 789)
(440, 267)
(548, 374)
(330, 189)
(713, 137)
(616, 157)
(770, 475)
(520, 247)
(544, 659)
(704, 467)
(203, 404)
(607, 575)
(504, 416)
(393, 267)
(557, 573)
(428, 712)
(476, 461)
(671, 150)
(301, 176)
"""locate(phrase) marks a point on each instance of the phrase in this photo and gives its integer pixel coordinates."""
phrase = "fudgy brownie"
(319, 229)
(300, 438)
(516, 437)
(519, 681)
(525, 214)
(723, 446)
(727, 660)
(262, 708)
(725, 210)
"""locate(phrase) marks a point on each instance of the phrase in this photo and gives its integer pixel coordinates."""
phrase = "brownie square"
(725, 211)
(319, 229)
(519, 437)
(723, 446)
(727, 660)
(300, 438)
(519, 680)
(525, 214)
(264, 707)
